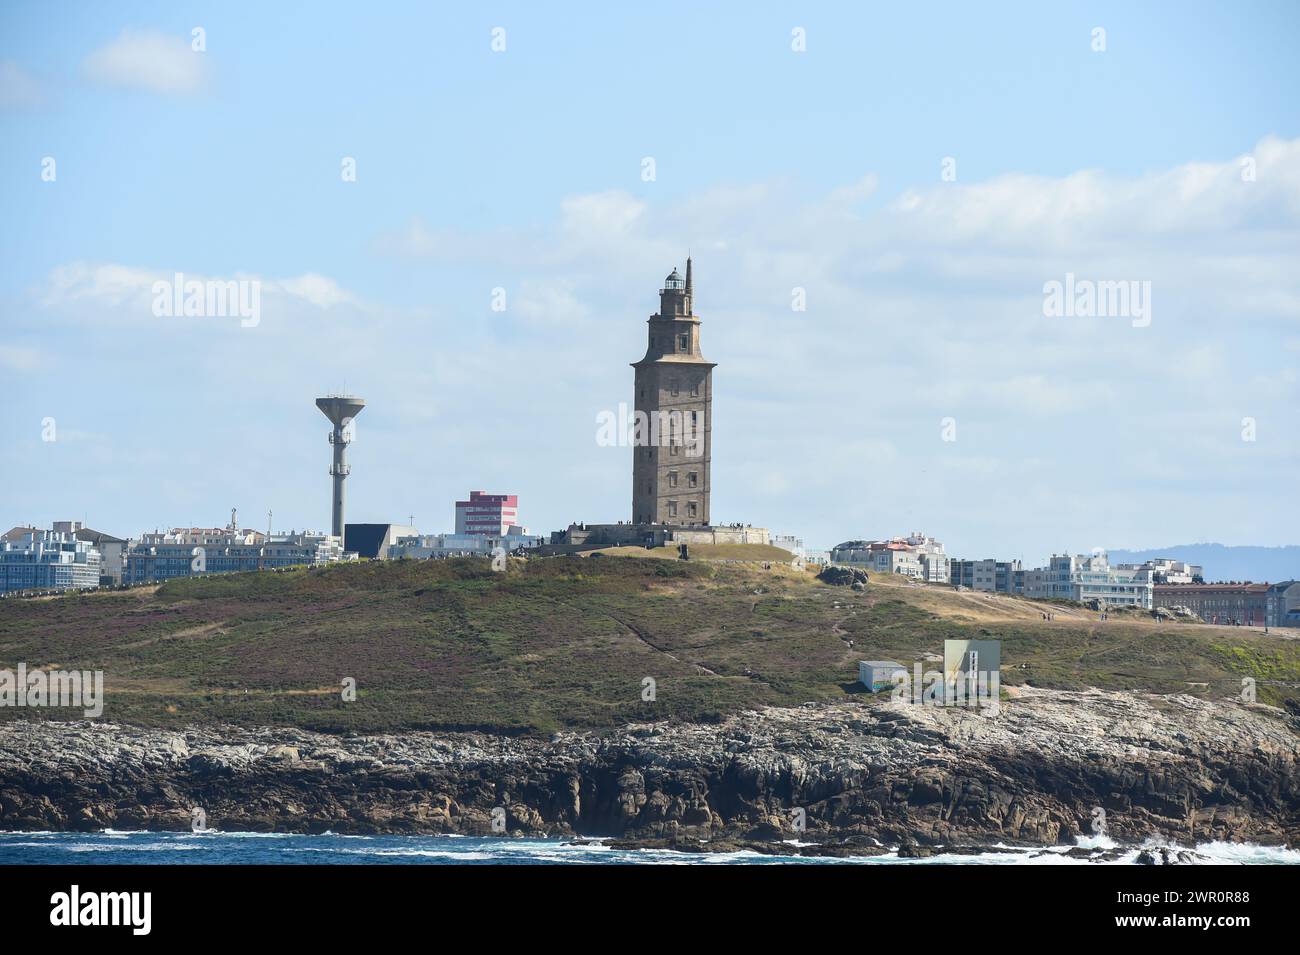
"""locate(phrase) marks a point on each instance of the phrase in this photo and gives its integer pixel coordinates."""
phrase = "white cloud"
(550, 303)
(104, 284)
(411, 241)
(318, 290)
(19, 358)
(18, 88)
(108, 290)
(1043, 397)
(600, 215)
(1196, 230)
(150, 61)
(1089, 206)
(859, 191)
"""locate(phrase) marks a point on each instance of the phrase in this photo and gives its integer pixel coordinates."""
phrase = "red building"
(488, 514)
(1243, 604)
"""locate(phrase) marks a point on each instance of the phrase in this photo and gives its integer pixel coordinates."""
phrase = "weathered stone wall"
(723, 535)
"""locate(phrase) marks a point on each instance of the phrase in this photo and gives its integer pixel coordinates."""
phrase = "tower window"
(692, 479)
(672, 386)
(684, 342)
(695, 388)
(672, 508)
(672, 478)
(690, 509)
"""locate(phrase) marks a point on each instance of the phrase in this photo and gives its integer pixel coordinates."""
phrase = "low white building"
(788, 542)
(796, 546)
(424, 546)
(878, 675)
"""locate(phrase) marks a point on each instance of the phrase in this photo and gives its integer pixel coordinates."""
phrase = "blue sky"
(522, 169)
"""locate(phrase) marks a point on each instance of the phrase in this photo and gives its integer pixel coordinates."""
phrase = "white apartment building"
(1165, 570)
(936, 568)
(47, 560)
(915, 556)
(1085, 579)
(112, 550)
(186, 551)
(993, 576)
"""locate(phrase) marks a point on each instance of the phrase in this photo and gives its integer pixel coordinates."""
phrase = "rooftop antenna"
(340, 409)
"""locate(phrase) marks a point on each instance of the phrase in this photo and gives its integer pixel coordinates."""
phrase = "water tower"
(340, 409)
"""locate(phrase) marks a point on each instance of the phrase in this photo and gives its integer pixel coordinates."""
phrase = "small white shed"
(877, 675)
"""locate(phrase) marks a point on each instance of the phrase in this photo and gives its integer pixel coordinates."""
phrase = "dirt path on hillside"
(204, 630)
(982, 606)
(636, 632)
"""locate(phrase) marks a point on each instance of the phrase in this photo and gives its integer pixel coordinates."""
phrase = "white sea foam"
(427, 853)
(266, 847)
(117, 847)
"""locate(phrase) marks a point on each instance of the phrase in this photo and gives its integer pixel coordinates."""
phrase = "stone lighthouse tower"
(674, 420)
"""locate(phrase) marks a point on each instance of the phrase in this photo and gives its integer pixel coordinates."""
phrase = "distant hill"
(1221, 562)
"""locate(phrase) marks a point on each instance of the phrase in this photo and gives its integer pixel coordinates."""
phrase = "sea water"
(245, 848)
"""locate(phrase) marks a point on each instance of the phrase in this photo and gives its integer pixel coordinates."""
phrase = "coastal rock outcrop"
(857, 775)
(843, 576)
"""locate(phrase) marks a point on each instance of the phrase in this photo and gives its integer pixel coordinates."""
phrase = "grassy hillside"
(567, 642)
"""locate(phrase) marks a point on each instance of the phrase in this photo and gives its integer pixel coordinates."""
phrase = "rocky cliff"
(1048, 766)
